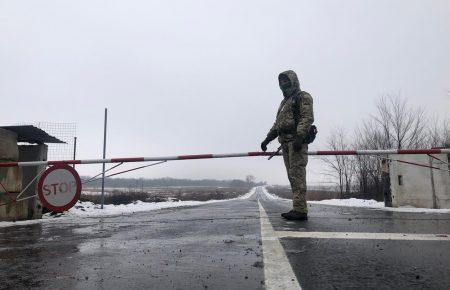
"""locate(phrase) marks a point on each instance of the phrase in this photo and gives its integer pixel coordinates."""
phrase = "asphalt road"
(239, 244)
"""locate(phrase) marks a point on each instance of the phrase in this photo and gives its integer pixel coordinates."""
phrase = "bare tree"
(341, 166)
(250, 179)
(367, 169)
(402, 125)
(439, 133)
(395, 124)
(445, 139)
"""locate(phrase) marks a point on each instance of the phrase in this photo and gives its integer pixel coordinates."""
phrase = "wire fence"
(65, 132)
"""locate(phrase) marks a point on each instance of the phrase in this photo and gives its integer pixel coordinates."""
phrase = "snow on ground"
(89, 209)
(94, 192)
(366, 203)
(19, 223)
(247, 195)
(370, 203)
(416, 209)
(355, 202)
(270, 195)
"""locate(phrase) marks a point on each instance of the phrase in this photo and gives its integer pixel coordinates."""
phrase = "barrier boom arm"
(229, 155)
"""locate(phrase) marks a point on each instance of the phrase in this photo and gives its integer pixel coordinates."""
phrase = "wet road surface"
(239, 244)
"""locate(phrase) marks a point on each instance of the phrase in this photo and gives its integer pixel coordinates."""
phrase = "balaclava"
(289, 83)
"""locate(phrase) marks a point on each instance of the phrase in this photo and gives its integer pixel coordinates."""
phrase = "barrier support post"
(104, 156)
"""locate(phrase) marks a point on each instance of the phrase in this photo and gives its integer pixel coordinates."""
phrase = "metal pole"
(74, 150)
(104, 155)
(433, 190)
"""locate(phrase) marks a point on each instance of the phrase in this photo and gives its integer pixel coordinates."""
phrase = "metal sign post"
(74, 149)
(104, 156)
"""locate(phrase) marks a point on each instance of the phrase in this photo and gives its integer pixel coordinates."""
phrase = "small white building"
(418, 186)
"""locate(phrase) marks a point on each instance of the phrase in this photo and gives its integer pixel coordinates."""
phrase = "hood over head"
(289, 83)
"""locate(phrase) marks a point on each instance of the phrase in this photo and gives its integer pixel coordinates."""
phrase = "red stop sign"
(59, 188)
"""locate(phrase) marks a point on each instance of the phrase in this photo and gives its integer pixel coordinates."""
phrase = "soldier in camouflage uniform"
(291, 131)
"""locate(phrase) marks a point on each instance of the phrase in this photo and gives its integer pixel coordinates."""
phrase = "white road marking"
(277, 269)
(363, 236)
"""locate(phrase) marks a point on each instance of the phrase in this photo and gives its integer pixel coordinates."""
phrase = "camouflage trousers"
(295, 163)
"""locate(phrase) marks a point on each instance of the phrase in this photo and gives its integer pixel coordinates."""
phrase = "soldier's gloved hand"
(298, 142)
(264, 145)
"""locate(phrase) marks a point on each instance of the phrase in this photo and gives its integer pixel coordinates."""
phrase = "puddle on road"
(92, 246)
(85, 230)
(52, 238)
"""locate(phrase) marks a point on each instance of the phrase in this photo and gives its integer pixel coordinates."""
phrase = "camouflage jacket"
(284, 127)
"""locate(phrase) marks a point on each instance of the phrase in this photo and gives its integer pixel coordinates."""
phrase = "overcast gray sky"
(181, 77)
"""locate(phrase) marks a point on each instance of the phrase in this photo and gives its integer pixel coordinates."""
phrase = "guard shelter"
(419, 186)
(21, 143)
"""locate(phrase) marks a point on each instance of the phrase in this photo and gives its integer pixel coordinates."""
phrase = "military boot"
(295, 215)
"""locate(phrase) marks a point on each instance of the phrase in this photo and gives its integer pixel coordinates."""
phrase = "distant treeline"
(167, 181)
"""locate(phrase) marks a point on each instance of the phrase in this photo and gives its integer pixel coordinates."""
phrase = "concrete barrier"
(13, 211)
(14, 180)
(9, 150)
(32, 153)
(11, 179)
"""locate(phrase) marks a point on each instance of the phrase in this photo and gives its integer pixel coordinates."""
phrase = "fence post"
(104, 156)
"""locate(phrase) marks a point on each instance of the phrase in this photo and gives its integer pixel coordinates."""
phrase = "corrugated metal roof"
(32, 134)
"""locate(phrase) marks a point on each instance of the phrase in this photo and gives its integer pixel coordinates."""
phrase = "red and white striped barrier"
(229, 155)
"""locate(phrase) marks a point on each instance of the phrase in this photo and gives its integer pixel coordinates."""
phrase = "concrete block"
(14, 211)
(32, 153)
(8, 146)
(11, 179)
